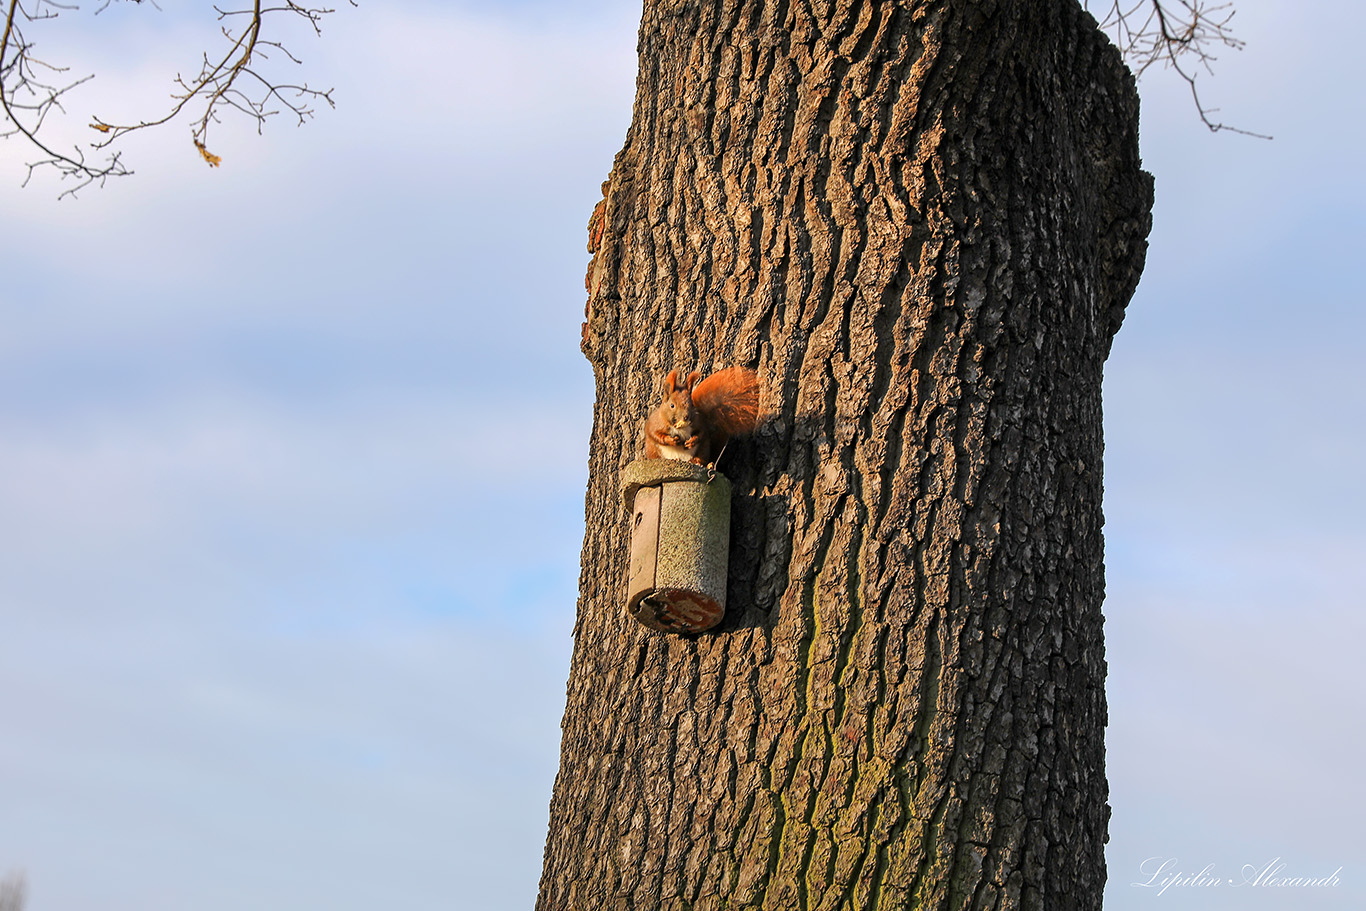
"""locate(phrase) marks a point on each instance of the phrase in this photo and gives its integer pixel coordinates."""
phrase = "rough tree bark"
(921, 222)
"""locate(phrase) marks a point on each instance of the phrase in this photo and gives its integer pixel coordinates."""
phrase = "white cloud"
(271, 527)
(333, 768)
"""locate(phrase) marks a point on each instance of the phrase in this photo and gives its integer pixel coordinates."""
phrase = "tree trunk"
(920, 221)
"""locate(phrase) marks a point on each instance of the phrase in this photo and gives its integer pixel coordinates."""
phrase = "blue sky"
(287, 586)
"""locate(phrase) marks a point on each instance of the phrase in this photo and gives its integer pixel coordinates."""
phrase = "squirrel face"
(677, 415)
(677, 410)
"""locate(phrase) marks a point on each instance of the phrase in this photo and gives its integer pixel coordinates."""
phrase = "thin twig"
(1179, 34)
(230, 80)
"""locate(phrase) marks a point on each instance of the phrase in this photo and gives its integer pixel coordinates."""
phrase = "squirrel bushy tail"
(730, 400)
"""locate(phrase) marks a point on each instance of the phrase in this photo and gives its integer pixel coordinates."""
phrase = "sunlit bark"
(921, 223)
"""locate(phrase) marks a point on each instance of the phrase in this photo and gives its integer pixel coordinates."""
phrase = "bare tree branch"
(219, 83)
(13, 891)
(1180, 34)
(27, 99)
(230, 80)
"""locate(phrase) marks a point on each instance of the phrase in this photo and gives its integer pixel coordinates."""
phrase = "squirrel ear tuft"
(693, 378)
(671, 381)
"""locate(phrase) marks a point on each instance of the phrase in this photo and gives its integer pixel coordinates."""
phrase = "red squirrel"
(695, 419)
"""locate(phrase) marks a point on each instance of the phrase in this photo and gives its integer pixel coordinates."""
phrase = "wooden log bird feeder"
(680, 544)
